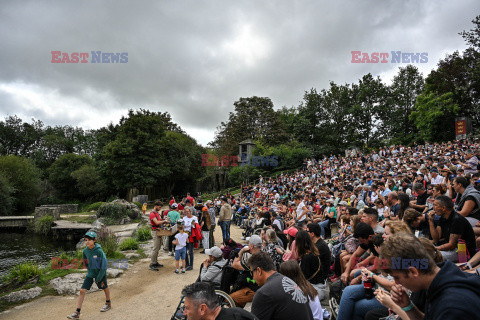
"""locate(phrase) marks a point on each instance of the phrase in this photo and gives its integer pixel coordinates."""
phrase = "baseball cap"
(174, 205)
(292, 231)
(214, 251)
(255, 240)
(204, 209)
(91, 234)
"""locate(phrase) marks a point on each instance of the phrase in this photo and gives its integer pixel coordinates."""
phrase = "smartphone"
(465, 266)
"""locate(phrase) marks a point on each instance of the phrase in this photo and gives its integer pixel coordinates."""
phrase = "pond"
(18, 247)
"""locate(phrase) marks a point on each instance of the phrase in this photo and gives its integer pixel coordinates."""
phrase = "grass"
(86, 219)
(44, 224)
(108, 241)
(143, 234)
(129, 244)
(23, 272)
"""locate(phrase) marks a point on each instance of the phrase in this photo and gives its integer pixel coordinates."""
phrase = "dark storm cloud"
(195, 58)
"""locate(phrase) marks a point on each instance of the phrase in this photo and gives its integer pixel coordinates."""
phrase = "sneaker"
(333, 305)
(170, 253)
(176, 271)
(183, 270)
(74, 315)
(158, 265)
(106, 307)
(153, 267)
(189, 268)
(203, 251)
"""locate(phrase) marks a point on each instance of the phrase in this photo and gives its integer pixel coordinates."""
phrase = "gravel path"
(138, 294)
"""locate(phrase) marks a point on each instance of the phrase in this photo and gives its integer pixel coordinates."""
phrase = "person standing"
(211, 212)
(189, 221)
(156, 222)
(205, 225)
(224, 218)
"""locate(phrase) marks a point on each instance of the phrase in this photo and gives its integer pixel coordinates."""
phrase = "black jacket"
(453, 294)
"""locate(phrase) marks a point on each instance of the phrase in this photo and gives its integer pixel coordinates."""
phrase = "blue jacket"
(453, 294)
(97, 262)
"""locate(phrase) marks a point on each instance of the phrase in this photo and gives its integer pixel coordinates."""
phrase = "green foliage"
(109, 242)
(254, 118)
(237, 175)
(24, 180)
(138, 204)
(143, 234)
(60, 174)
(89, 183)
(290, 155)
(112, 212)
(129, 244)
(44, 224)
(146, 149)
(434, 116)
(6, 198)
(24, 272)
(94, 206)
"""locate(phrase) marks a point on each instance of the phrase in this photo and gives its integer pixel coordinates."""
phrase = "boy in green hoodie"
(97, 271)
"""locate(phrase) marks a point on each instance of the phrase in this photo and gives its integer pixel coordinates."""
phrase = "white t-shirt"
(316, 308)
(189, 222)
(300, 211)
(182, 240)
(437, 180)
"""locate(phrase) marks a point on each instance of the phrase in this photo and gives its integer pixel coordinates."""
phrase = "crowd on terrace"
(387, 235)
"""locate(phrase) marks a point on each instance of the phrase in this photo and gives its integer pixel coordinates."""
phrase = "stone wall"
(63, 208)
(44, 211)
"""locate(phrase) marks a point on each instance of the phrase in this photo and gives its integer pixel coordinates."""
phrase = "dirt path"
(139, 293)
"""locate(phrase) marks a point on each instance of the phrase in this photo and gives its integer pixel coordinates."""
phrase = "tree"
(24, 178)
(254, 118)
(89, 182)
(434, 116)
(6, 196)
(396, 122)
(60, 175)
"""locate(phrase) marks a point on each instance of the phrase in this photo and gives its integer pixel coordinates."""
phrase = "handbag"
(318, 270)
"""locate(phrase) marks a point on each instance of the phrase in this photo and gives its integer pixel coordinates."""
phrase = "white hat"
(214, 251)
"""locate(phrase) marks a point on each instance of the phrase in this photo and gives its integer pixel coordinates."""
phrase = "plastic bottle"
(368, 286)
(462, 252)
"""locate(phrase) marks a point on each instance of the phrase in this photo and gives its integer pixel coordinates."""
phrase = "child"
(96, 262)
(180, 242)
(144, 208)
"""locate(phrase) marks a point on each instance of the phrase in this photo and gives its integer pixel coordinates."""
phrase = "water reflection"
(21, 247)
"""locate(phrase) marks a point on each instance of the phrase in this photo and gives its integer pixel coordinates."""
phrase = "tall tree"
(253, 118)
(404, 90)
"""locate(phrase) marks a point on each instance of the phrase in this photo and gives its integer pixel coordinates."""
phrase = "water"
(19, 247)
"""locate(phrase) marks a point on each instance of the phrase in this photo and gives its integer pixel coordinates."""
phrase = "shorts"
(180, 253)
(88, 282)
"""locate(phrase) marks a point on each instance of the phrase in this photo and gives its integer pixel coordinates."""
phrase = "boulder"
(113, 273)
(70, 284)
(131, 255)
(22, 295)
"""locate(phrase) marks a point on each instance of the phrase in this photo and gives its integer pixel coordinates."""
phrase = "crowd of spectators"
(393, 233)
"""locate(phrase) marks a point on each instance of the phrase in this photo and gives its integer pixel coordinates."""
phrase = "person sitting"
(292, 270)
(202, 303)
(451, 227)
(273, 247)
(370, 217)
(212, 266)
(279, 297)
(452, 294)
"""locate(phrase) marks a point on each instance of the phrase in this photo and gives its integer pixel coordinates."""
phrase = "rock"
(142, 198)
(132, 255)
(81, 244)
(22, 295)
(113, 273)
(70, 284)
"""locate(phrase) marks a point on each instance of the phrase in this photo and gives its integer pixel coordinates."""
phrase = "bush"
(94, 206)
(6, 198)
(44, 224)
(25, 271)
(129, 244)
(138, 204)
(112, 212)
(108, 241)
(143, 234)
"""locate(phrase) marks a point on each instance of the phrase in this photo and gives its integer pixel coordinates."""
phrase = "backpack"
(336, 290)
(229, 275)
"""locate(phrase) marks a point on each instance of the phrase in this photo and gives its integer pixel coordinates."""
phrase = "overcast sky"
(195, 58)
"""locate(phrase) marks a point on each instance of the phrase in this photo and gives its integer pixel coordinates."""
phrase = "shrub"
(6, 198)
(44, 224)
(129, 244)
(25, 271)
(143, 234)
(94, 206)
(138, 204)
(108, 241)
(112, 212)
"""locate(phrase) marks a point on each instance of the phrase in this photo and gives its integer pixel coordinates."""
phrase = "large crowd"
(387, 235)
